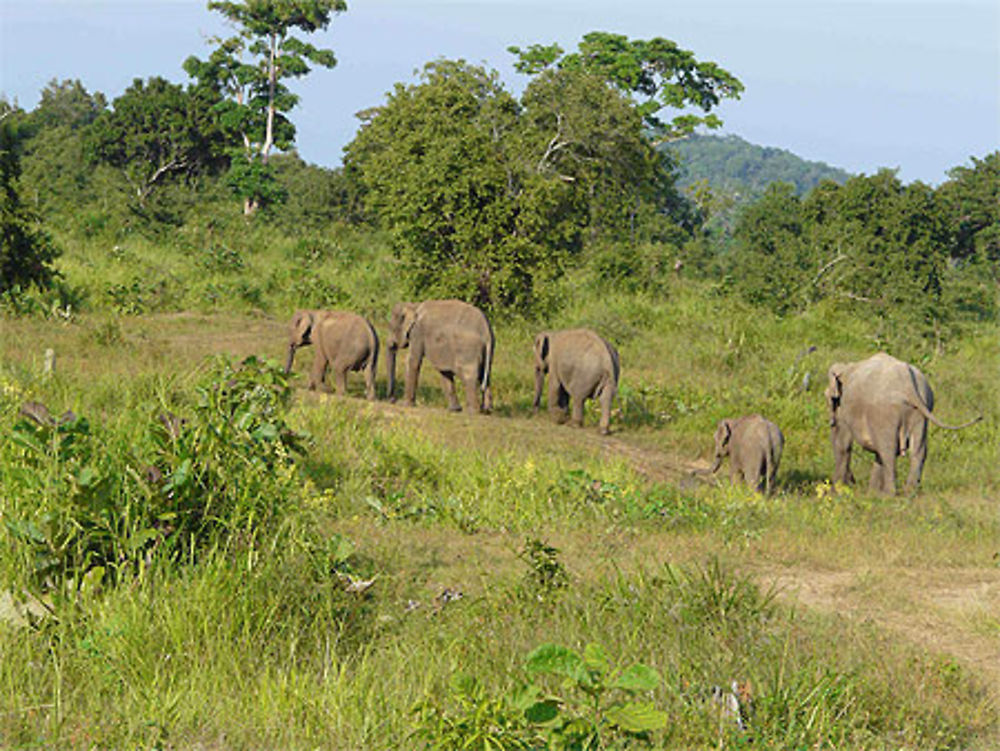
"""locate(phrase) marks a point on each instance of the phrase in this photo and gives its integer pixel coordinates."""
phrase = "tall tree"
(248, 71)
(655, 72)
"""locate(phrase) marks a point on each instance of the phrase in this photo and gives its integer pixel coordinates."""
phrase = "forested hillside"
(198, 551)
(733, 165)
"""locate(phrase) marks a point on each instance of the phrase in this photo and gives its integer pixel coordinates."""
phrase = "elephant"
(753, 445)
(882, 404)
(581, 365)
(344, 342)
(455, 337)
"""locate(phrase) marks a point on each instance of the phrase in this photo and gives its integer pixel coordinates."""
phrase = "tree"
(441, 166)
(26, 251)
(772, 263)
(972, 198)
(156, 130)
(655, 71)
(247, 71)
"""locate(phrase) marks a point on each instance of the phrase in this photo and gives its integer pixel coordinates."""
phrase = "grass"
(850, 616)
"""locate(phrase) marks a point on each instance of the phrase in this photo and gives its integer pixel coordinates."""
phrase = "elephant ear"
(541, 350)
(300, 330)
(409, 321)
(835, 385)
(723, 433)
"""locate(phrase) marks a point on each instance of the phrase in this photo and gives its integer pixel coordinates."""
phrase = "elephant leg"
(841, 440)
(340, 378)
(370, 380)
(753, 475)
(606, 398)
(883, 477)
(918, 455)
(558, 399)
(470, 384)
(448, 384)
(318, 373)
(577, 410)
(413, 363)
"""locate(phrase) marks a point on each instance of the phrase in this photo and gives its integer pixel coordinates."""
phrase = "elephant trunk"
(390, 366)
(716, 464)
(291, 358)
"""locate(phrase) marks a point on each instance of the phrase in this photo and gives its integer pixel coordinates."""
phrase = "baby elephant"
(753, 445)
(344, 341)
(581, 365)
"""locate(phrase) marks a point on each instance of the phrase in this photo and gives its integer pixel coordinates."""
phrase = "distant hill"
(742, 169)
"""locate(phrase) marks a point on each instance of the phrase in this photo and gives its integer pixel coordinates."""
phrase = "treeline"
(493, 197)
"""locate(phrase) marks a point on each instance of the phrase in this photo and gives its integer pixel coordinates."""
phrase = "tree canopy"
(248, 71)
(156, 130)
(656, 72)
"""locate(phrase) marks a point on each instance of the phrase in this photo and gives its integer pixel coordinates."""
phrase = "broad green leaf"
(637, 717)
(557, 660)
(542, 712)
(637, 678)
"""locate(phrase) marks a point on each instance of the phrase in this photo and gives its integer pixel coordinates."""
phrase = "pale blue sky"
(908, 84)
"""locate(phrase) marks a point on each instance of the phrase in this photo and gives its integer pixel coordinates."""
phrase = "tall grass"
(325, 604)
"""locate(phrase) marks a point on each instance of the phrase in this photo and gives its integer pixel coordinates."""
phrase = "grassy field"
(387, 588)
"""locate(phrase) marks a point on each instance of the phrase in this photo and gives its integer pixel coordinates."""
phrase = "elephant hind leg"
(606, 398)
(577, 418)
(370, 380)
(558, 400)
(470, 384)
(883, 476)
(449, 392)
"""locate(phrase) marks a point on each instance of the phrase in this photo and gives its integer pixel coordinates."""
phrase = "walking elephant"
(882, 404)
(581, 365)
(455, 337)
(344, 342)
(753, 445)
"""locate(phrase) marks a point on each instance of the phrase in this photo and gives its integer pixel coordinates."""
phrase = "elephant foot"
(605, 431)
(454, 407)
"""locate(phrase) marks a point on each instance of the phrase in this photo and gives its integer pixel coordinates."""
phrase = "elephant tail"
(919, 405)
(917, 402)
(488, 364)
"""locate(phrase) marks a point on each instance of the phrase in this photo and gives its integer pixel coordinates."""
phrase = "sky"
(912, 85)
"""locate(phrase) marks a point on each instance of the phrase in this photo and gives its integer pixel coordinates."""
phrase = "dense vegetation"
(193, 553)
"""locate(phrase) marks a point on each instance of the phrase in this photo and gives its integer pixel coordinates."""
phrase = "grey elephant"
(581, 365)
(455, 337)
(753, 445)
(344, 342)
(882, 404)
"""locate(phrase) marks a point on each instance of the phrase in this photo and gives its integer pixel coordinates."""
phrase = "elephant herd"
(881, 403)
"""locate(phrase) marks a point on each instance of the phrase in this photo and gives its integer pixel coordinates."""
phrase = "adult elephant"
(882, 404)
(581, 365)
(344, 342)
(455, 337)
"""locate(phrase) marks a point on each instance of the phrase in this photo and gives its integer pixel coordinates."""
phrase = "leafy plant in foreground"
(599, 705)
(596, 706)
